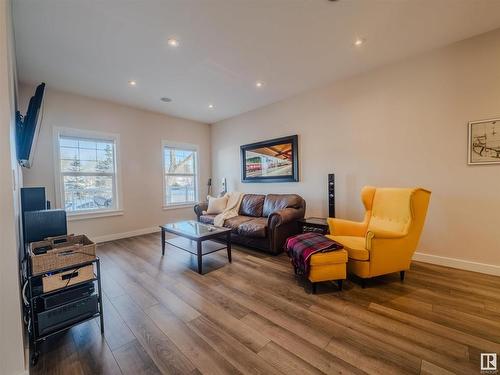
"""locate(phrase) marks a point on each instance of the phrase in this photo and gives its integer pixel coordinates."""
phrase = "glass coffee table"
(195, 238)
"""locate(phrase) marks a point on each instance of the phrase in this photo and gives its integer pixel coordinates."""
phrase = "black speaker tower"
(331, 195)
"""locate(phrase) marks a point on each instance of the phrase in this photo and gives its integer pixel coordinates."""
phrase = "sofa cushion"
(276, 202)
(235, 222)
(251, 205)
(355, 246)
(256, 227)
(207, 219)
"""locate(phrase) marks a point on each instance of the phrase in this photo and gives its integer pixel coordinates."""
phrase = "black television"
(28, 127)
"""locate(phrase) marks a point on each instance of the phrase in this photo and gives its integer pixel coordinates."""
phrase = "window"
(180, 179)
(88, 178)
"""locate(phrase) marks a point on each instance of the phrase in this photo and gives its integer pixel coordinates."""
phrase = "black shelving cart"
(33, 293)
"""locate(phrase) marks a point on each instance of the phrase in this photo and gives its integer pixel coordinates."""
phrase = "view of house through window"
(88, 173)
(180, 175)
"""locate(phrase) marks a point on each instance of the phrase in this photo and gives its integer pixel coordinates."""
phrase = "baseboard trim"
(118, 236)
(419, 257)
(458, 263)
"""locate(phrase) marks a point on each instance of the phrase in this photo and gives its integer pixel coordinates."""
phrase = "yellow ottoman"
(328, 267)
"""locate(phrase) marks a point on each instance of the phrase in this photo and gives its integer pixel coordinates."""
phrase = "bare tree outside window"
(88, 173)
(180, 176)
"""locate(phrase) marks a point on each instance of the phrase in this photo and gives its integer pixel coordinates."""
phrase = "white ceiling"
(94, 48)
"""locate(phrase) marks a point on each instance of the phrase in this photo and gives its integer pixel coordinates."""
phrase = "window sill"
(93, 215)
(179, 206)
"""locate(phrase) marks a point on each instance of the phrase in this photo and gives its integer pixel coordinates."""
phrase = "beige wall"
(11, 333)
(141, 134)
(401, 125)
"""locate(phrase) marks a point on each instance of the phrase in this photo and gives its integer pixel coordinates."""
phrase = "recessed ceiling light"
(211, 106)
(165, 99)
(172, 42)
(359, 41)
(132, 83)
(259, 84)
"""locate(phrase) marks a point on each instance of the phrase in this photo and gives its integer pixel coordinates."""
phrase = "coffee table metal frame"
(218, 234)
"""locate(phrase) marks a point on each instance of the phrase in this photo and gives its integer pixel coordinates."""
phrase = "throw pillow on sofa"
(216, 205)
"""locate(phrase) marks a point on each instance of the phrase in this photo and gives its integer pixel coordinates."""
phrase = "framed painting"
(484, 142)
(275, 160)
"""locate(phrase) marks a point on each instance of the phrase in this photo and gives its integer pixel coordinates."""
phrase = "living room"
(250, 134)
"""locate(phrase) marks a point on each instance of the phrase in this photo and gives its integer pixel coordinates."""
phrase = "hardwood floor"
(254, 317)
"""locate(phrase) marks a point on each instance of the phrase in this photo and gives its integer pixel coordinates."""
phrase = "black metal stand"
(34, 337)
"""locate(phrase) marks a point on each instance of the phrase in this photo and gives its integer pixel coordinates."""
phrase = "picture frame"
(274, 160)
(484, 142)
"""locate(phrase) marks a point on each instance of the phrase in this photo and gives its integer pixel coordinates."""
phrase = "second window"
(180, 175)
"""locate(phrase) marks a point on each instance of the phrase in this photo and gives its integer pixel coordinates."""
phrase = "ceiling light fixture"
(259, 84)
(132, 83)
(358, 42)
(172, 42)
(166, 100)
(211, 106)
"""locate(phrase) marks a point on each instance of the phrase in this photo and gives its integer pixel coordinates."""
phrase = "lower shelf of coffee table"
(207, 246)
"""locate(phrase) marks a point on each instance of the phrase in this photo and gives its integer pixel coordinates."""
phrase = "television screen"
(28, 127)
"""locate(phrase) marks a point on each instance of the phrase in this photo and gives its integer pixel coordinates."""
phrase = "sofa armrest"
(340, 227)
(284, 216)
(199, 208)
(389, 251)
(373, 236)
(387, 234)
(281, 225)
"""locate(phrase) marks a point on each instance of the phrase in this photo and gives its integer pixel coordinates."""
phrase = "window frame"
(196, 174)
(58, 175)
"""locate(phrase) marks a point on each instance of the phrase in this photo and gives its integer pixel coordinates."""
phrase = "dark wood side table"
(195, 238)
(313, 224)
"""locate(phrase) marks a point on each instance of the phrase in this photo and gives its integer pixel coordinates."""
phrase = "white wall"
(400, 125)
(141, 134)
(11, 333)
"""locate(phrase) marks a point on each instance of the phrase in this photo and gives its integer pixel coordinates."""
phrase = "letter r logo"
(488, 361)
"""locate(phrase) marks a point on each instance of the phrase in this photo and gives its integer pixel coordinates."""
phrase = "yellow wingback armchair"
(384, 242)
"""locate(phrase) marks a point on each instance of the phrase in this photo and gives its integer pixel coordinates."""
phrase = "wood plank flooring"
(255, 317)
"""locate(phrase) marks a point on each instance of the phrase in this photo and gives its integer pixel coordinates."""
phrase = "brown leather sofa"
(264, 221)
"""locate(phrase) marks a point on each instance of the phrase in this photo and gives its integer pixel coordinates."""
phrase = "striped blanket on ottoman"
(301, 247)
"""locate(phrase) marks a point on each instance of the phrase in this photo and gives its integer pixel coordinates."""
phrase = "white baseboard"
(458, 263)
(420, 257)
(118, 236)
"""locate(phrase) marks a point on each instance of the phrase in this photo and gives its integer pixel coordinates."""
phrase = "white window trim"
(87, 214)
(185, 146)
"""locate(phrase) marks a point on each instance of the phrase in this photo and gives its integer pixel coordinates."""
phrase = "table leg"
(313, 287)
(228, 245)
(198, 250)
(101, 315)
(162, 241)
